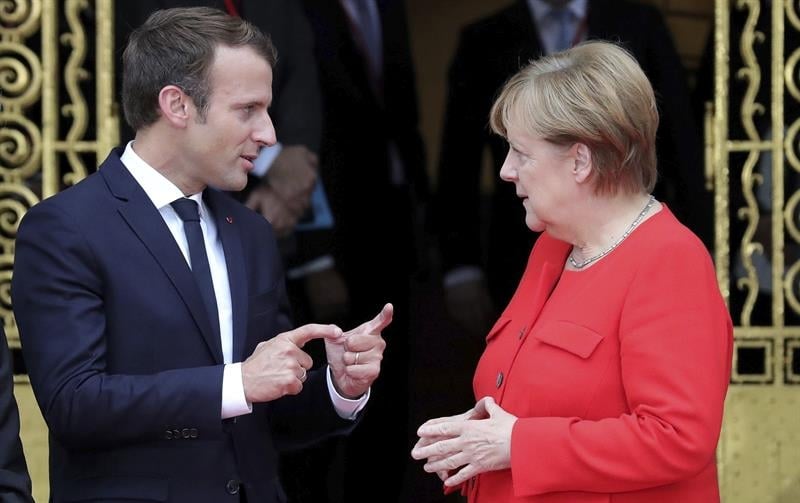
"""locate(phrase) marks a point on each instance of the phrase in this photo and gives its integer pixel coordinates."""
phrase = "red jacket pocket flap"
(578, 340)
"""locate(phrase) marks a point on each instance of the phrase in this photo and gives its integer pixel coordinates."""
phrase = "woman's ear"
(582, 170)
(174, 105)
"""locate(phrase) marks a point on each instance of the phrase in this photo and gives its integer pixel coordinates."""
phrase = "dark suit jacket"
(359, 126)
(15, 484)
(489, 52)
(123, 360)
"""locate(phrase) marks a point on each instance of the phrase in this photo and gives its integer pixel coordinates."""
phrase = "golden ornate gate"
(753, 163)
(57, 120)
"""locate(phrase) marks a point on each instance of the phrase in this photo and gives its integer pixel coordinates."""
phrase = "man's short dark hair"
(176, 47)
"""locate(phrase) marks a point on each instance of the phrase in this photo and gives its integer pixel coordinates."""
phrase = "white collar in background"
(539, 9)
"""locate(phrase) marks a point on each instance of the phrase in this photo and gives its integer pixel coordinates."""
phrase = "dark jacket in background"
(375, 237)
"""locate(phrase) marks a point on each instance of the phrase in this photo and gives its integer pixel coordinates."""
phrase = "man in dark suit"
(140, 291)
(489, 52)
(15, 484)
(372, 164)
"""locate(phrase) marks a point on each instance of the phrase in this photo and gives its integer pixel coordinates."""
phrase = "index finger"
(301, 335)
(379, 322)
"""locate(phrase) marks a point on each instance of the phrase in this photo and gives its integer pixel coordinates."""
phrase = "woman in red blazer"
(604, 378)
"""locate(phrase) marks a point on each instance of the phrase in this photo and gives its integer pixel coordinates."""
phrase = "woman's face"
(542, 173)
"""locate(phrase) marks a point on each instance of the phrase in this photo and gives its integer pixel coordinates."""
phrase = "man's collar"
(158, 188)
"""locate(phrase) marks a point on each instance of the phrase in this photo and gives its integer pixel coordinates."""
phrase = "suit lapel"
(548, 270)
(146, 222)
(230, 232)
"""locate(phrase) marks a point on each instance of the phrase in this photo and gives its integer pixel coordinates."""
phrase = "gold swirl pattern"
(751, 72)
(789, 141)
(749, 108)
(791, 286)
(74, 73)
(20, 148)
(748, 247)
(15, 200)
(791, 15)
(788, 74)
(20, 76)
(6, 315)
(20, 19)
(791, 283)
(788, 212)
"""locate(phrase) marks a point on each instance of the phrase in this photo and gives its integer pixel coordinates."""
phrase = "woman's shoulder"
(665, 243)
(664, 232)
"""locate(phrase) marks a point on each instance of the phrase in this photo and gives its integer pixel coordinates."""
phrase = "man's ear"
(174, 105)
(583, 163)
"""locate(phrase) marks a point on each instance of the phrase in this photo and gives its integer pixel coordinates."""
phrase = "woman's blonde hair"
(596, 94)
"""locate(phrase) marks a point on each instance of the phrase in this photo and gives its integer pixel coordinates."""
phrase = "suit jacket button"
(168, 434)
(499, 381)
(232, 486)
(193, 433)
(185, 433)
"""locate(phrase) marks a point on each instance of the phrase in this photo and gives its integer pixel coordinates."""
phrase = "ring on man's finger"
(303, 377)
(356, 361)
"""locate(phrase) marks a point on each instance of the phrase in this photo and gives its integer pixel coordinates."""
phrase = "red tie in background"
(232, 7)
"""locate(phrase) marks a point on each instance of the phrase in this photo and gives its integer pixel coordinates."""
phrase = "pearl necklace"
(636, 221)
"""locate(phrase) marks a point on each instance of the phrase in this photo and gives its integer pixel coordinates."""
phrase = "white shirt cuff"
(265, 159)
(234, 402)
(346, 408)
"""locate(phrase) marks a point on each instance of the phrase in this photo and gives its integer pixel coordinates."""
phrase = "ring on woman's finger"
(303, 377)
(356, 361)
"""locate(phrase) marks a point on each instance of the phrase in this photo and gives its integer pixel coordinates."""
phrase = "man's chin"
(232, 185)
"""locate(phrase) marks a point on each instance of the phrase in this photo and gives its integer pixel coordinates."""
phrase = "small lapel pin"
(229, 220)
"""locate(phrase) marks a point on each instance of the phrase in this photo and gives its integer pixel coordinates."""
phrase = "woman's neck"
(606, 222)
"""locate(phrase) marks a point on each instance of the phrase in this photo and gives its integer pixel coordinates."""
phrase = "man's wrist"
(346, 408)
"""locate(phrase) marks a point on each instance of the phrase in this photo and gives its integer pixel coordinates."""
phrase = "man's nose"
(265, 133)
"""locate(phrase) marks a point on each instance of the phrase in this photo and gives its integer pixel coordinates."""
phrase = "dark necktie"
(562, 18)
(188, 210)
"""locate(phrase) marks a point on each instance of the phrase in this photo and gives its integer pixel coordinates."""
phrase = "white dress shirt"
(162, 192)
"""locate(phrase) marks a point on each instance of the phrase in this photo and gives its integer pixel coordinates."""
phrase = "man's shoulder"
(83, 201)
(82, 194)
